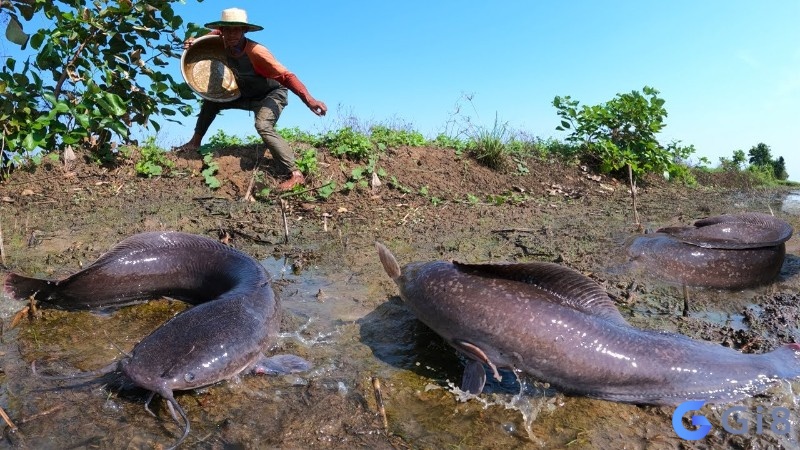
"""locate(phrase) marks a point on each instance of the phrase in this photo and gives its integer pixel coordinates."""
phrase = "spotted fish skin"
(236, 317)
(733, 251)
(562, 328)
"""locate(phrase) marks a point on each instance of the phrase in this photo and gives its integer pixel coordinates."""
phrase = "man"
(263, 83)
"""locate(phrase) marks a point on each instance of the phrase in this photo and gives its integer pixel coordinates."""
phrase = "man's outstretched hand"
(317, 107)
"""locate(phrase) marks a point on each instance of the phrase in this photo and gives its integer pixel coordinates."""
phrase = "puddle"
(332, 320)
(791, 203)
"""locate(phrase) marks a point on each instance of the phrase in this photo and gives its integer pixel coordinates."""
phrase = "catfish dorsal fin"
(568, 287)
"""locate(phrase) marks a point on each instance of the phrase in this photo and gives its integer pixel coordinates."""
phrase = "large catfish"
(562, 328)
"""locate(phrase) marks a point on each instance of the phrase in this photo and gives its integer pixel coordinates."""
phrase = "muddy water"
(354, 328)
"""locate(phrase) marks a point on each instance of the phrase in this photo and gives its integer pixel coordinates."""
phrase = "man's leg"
(267, 112)
(208, 112)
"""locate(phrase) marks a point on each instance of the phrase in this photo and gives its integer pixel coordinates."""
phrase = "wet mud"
(344, 314)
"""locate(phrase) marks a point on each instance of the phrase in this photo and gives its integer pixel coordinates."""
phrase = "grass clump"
(488, 145)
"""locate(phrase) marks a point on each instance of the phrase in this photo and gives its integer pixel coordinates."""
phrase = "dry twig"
(8, 421)
(285, 222)
(376, 386)
(2, 247)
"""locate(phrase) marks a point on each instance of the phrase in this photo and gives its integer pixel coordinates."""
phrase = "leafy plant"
(152, 159)
(522, 167)
(359, 176)
(444, 141)
(295, 134)
(326, 190)
(622, 132)
(95, 72)
(307, 162)
(220, 139)
(348, 143)
(395, 183)
(210, 167)
(384, 137)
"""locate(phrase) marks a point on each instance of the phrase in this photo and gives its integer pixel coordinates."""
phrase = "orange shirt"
(266, 65)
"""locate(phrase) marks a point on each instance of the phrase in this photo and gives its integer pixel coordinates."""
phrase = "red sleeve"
(294, 84)
(266, 65)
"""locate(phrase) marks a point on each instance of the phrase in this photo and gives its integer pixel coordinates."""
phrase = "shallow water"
(791, 203)
(354, 328)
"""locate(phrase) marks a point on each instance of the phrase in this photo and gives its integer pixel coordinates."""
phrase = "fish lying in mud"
(562, 328)
(732, 251)
(236, 318)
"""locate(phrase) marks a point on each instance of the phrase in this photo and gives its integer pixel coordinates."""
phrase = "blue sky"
(728, 70)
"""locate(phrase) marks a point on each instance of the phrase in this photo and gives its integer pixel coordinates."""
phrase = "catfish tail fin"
(21, 287)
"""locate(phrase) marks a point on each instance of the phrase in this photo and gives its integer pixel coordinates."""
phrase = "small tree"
(779, 168)
(95, 73)
(734, 163)
(738, 158)
(621, 134)
(760, 155)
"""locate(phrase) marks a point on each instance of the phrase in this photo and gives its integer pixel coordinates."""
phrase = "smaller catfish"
(731, 251)
(562, 328)
(236, 318)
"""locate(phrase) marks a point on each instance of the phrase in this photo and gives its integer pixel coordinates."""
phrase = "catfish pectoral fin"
(279, 365)
(474, 378)
(474, 352)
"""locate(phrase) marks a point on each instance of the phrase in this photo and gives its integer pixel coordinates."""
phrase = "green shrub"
(621, 133)
(347, 143)
(307, 162)
(220, 139)
(384, 137)
(445, 141)
(295, 134)
(152, 160)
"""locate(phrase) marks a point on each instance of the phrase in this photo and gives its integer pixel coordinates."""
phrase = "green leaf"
(37, 39)
(116, 104)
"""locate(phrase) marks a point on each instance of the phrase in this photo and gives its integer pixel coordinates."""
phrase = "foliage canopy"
(622, 132)
(95, 73)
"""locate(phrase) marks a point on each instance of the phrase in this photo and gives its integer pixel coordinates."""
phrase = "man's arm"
(266, 65)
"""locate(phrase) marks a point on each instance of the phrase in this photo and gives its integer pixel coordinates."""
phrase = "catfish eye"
(189, 377)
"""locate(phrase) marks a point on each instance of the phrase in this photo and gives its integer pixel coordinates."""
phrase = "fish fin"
(388, 261)
(475, 352)
(474, 378)
(566, 286)
(21, 287)
(279, 365)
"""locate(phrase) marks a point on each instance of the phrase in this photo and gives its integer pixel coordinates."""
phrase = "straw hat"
(234, 17)
(204, 67)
